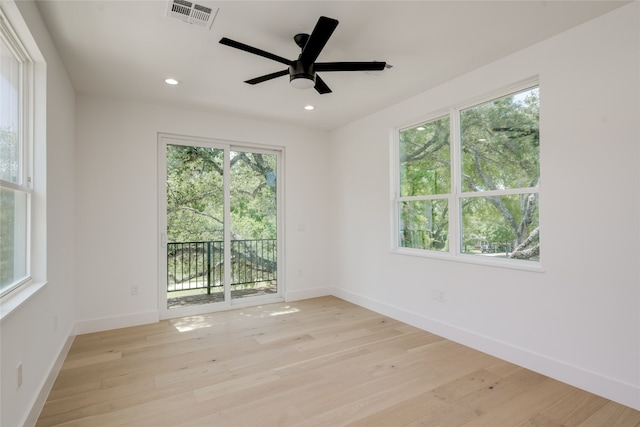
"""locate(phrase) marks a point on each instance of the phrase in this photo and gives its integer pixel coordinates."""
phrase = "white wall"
(577, 321)
(39, 331)
(117, 204)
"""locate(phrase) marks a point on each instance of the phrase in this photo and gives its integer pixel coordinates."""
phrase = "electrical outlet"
(134, 290)
(19, 374)
(437, 295)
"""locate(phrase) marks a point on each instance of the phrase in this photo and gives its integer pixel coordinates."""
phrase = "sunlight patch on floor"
(261, 311)
(191, 323)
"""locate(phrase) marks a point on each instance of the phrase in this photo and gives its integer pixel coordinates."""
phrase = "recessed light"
(171, 81)
(309, 107)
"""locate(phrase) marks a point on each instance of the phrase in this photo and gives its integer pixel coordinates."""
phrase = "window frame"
(25, 137)
(456, 195)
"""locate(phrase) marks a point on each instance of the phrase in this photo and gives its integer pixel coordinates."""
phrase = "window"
(425, 184)
(467, 181)
(15, 160)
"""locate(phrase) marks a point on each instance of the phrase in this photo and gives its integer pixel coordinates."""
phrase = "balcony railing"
(200, 265)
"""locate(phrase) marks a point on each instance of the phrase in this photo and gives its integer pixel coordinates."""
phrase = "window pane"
(253, 188)
(425, 159)
(13, 237)
(501, 226)
(9, 121)
(500, 143)
(195, 203)
(424, 224)
(195, 225)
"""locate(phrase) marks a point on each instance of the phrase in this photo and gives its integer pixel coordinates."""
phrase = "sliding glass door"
(219, 225)
(254, 224)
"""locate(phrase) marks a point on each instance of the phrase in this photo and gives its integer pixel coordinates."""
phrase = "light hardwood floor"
(318, 362)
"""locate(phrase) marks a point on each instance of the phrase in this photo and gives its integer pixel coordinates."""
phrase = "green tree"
(195, 198)
(195, 213)
(425, 170)
(253, 195)
(499, 151)
(194, 194)
(500, 143)
(8, 172)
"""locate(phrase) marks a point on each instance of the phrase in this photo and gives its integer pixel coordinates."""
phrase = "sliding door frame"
(165, 139)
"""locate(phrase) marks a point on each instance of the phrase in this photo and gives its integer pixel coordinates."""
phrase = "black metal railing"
(200, 265)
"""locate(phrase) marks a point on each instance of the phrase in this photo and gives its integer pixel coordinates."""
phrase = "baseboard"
(610, 388)
(116, 322)
(41, 398)
(308, 293)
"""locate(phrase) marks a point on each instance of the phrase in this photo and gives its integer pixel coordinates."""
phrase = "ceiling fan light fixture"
(301, 77)
(302, 82)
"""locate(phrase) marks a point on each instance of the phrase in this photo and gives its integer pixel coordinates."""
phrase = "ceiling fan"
(302, 71)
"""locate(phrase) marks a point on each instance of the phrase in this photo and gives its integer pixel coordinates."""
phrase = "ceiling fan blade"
(318, 38)
(255, 51)
(267, 77)
(321, 86)
(350, 66)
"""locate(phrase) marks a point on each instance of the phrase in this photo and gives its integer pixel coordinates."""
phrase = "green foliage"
(500, 144)
(195, 197)
(7, 213)
(424, 224)
(253, 195)
(424, 159)
(499, 151)
(194, 193)
(425, 170)
(9, 170)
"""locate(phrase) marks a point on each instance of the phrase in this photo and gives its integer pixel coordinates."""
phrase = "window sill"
(11, 302)
(512, 264)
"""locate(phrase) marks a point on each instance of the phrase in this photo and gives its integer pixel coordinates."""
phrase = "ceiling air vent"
(192, 13)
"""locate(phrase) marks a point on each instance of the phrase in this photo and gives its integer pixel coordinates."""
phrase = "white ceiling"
(126, 49)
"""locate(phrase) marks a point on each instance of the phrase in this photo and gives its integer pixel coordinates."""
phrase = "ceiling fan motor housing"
(301, 76)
